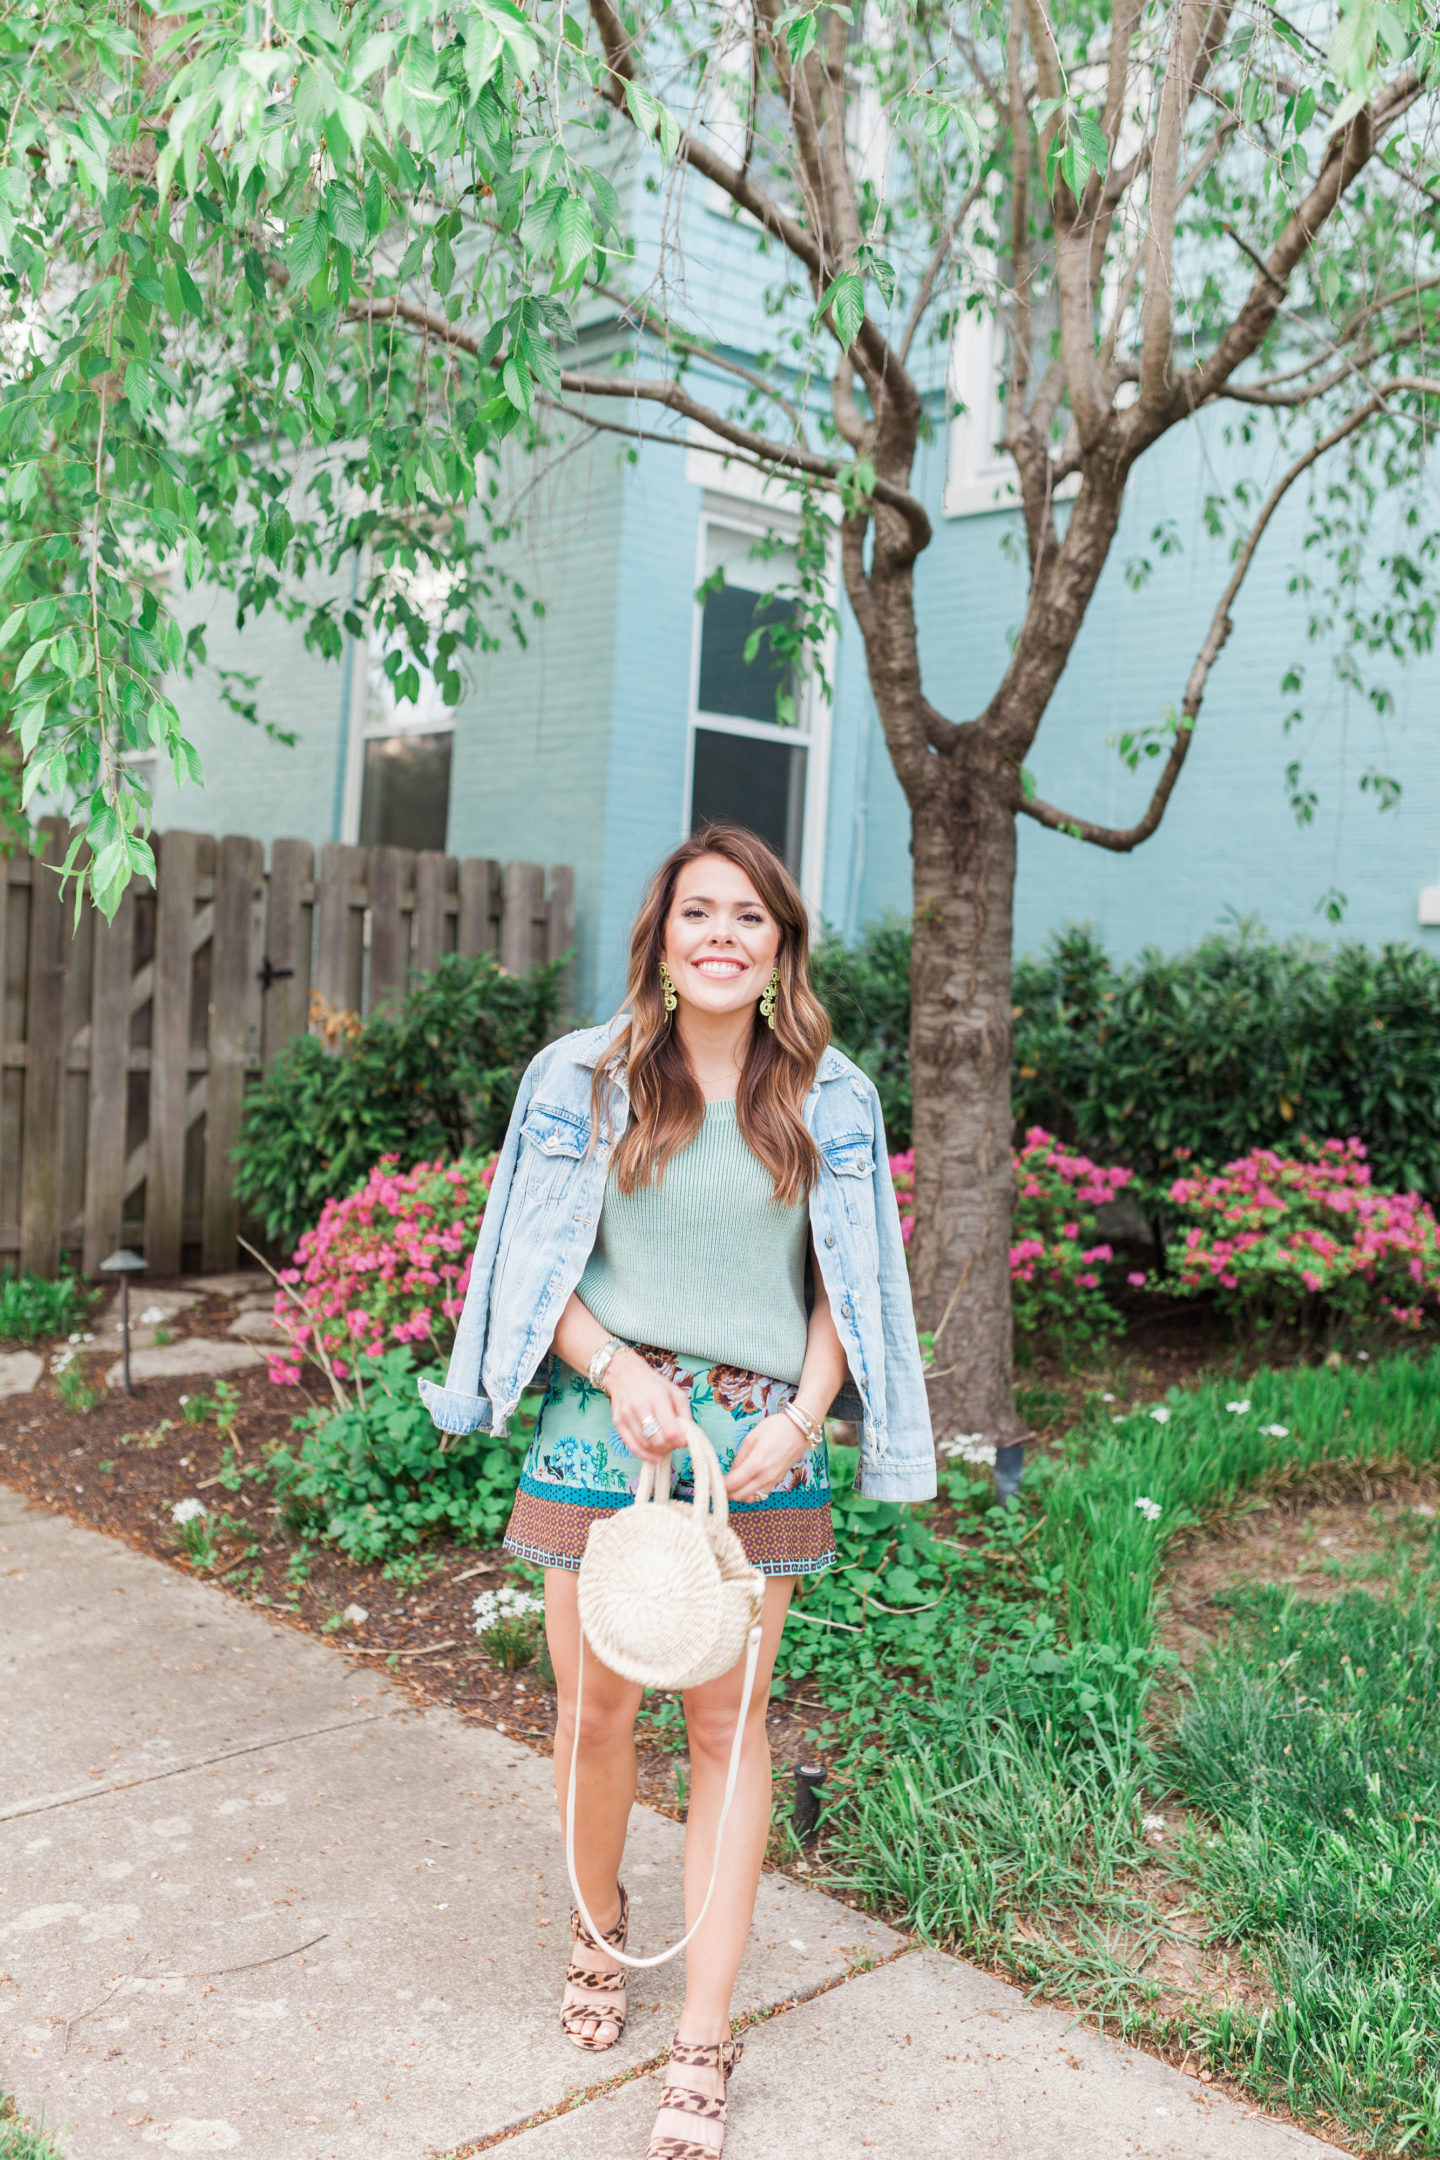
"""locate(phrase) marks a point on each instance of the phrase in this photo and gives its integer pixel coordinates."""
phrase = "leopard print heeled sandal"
(686, 2107)
(593, 1996)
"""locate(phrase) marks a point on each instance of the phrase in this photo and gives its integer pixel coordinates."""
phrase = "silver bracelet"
(803, 1422)
(600, 1363)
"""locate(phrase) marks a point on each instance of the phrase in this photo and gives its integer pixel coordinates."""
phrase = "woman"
(693, 1213)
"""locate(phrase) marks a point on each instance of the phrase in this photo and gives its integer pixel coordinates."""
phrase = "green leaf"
(138, 389)
(13, 625)
(10, 560)
(518, 387)
(308, 247)
(345, 217)
(800, 31)
(574, 236)
(33, 657)
(643, 107)
(845, 300)
(1027, 783)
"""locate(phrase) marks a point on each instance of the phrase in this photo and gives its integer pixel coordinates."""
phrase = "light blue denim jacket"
(539, 1227)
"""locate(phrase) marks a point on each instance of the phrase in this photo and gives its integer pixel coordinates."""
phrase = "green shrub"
(374, 1478)
(430, 1077)
(1241, 1042)
(31, 1307)
(865, 988)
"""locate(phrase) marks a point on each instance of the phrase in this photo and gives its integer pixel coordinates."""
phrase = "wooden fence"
(125, 1048)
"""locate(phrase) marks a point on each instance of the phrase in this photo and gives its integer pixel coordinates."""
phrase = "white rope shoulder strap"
(668, 1599)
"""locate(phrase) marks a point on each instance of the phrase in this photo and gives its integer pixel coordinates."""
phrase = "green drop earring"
(768, 998)
(671, 1001)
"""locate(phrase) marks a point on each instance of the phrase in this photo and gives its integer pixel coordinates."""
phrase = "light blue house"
(631, 714)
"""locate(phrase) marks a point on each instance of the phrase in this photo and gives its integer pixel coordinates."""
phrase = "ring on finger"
(649, 1427)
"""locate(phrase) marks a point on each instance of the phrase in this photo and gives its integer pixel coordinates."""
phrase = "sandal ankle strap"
(614, 1936)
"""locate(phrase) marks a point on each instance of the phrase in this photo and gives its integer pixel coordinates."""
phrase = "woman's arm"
(775, 1445)
(635, 1389)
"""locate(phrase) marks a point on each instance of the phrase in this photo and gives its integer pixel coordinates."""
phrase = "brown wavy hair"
(667, 1107)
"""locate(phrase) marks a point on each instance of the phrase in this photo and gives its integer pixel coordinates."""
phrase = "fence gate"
(125, 1048)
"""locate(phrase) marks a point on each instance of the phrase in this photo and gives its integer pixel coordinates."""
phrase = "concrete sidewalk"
(253, 1901)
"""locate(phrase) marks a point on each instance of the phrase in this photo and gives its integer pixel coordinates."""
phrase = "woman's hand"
(768, 1453)
(637, 1393)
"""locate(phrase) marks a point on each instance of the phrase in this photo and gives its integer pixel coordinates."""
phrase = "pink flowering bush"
(1305, 1238)
(388, 1264)
(1056, 1262)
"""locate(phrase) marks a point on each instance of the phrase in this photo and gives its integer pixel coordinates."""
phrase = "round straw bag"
(668, 1599)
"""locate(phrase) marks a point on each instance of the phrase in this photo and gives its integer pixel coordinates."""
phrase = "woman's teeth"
(721, 969)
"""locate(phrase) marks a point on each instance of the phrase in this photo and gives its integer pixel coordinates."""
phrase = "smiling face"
(721, 941)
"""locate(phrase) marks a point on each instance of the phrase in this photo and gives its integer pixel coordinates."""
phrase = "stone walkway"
(253, 1901)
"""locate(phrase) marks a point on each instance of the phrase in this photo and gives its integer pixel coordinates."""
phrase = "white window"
(978, 475)
(759, 732)
(397, 782)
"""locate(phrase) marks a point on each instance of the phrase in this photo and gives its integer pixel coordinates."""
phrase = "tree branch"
(1345, 158)
(789, 457)
(936, 263)
(1157, 315)
(1121, 839)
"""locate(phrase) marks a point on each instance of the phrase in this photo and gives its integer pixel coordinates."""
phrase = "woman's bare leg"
(605, 1773)
(713, 1959)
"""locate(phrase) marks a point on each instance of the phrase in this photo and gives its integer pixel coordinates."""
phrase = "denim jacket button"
(845, 1311)
(829, 1237)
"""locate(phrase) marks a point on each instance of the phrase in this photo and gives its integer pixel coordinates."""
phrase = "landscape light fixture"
(124, 1264)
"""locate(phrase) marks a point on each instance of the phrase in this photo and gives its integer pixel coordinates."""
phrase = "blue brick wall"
(1228, 844)
(532, 736)
(253, 785)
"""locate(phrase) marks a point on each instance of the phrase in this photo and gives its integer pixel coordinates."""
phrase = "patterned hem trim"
(571, 1566)
(587, 1497)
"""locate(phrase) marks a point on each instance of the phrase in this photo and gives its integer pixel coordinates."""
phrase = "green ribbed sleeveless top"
(707, 1263)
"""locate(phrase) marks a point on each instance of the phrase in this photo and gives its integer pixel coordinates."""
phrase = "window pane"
(405, 801)
(727, 683)
(760, 785)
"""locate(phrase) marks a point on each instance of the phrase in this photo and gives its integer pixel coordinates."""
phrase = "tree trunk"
(963, 842)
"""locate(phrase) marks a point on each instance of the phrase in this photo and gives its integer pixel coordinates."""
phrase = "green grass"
(1312, 1741)
(997, 1800)
(20, 2140)
(32, 1307)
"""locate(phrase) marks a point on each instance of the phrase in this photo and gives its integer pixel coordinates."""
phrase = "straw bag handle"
(710, 1494)
(706, 1465)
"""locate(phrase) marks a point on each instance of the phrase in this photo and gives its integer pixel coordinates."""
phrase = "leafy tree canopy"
(279, 278)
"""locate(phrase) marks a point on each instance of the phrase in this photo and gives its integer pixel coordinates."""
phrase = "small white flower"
(1363, 1356)
(1276, 1432)
(1153, 1825)
(1117, 1421)
(1107, 1396)
(152, 1316)
(73, 1338)
(1239, 1407)
(190, 1510)
(1160, 1414)
(507, 1603)
(184, 1398)
(971, 1447)
(355, 1615)
(1150, 1509)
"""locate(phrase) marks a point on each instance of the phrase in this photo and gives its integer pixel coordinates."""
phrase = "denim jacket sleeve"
(906, 1470)
(459, 1407)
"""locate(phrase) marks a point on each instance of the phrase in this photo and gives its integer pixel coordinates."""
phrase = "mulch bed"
(423, 1636)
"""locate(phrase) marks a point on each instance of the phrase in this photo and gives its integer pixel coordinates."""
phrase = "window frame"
(361, 729)
(754, 519)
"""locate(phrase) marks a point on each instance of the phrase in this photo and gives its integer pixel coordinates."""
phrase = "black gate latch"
(269, 974)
